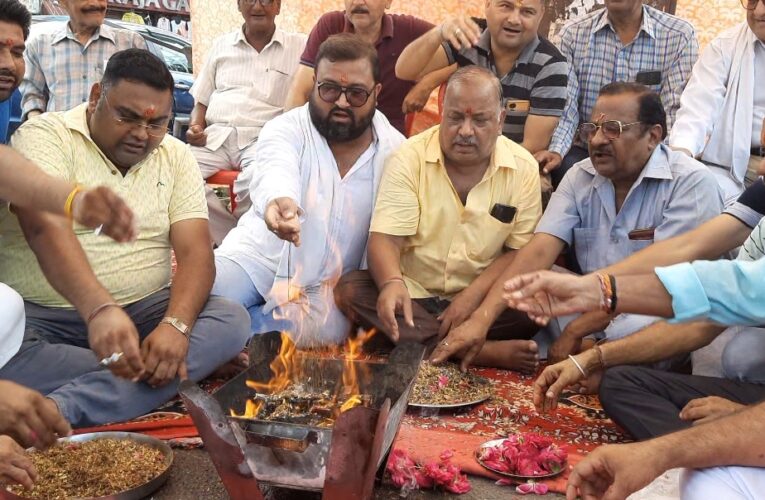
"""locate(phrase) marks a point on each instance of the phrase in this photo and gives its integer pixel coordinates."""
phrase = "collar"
(277, 37)
(657, 167)
(502, 157)
(526, 55)
(386, 29)
(647, 24)
(65, 32)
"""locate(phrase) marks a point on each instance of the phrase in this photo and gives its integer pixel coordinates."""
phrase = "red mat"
(575, 429)
(424, 436)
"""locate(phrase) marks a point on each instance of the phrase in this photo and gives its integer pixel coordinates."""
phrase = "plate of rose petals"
(523, 456)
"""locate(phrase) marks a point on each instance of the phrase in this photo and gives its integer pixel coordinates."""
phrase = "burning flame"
(283, 367)
(286, 370)
(251, 409)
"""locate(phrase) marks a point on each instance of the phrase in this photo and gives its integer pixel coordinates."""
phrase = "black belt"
(757, 151)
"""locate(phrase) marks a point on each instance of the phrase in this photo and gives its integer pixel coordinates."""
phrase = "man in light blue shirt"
(631, 192)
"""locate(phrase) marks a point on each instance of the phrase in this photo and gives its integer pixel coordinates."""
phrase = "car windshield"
(175, 60)
(177, 55)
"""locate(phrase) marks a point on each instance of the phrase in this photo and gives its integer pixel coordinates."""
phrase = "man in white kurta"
(722, 109)
(303, 156)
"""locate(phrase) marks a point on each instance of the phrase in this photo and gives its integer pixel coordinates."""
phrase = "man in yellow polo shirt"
(158, 333)
(454, 203)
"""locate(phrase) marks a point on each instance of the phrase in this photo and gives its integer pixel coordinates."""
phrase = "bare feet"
(233, 367)
(520, 355)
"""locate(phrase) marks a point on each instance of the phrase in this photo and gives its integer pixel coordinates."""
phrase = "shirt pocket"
(488, 237)
(637, 245)
(277, 80)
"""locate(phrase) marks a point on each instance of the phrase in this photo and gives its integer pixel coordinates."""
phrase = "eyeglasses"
(750, 4)
(612, 129)
(152, 129)
(264, 3)
(356, 96)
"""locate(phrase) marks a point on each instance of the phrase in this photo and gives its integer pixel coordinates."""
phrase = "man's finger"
(48, 411)
(446, 324)
(445, 350)
(183, 372)
(388, 318)
(552, 393)
(43, 436)
(467, 359)
(160, 374)
(408, 315)
(19, 475)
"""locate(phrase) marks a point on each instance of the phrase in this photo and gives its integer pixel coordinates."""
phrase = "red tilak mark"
(9, 42)
(149, 112)
(469, 111)
(343, 78)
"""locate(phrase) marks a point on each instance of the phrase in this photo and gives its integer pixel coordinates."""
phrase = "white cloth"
(717, 104)
(729, 483)
(759, 94)
(243, 88)
(293, 160)
(164, 23)
(12, 320)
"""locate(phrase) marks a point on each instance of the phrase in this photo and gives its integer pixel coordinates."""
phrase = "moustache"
(360, 10)
(339, 110)
(95, 8)
(465, 141)
(5, 72)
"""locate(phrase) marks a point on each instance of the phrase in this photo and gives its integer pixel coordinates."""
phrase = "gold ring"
(457, 31)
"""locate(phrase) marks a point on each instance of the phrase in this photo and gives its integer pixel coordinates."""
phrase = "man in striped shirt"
(243, 84)
(64, 59)
(532, 71)
(628, 42)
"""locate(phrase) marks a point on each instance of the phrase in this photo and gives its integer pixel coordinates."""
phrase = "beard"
(339, 132)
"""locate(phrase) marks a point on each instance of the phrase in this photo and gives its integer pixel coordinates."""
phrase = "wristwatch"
(177, 324)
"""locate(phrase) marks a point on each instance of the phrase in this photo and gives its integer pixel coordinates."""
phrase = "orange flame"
(283, 367)
(251, 409)
(286, 369)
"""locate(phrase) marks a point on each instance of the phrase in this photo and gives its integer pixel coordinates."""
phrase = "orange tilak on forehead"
(150, 111)
(9, 42)
(343, 78)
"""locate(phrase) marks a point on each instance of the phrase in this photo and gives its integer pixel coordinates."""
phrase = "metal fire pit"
(340, 461)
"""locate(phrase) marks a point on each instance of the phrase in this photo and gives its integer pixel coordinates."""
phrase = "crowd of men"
(341, 222)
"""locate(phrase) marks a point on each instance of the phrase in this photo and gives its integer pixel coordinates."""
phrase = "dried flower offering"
(92, 469)
(446, 385)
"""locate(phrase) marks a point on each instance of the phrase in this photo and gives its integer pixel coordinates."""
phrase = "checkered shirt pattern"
(596, 56)
(60, 70)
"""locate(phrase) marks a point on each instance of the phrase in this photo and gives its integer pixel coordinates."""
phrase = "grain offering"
(445, 385)
(92, 469)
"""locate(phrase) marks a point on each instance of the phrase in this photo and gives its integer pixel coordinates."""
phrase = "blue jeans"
(233, 283)
(55, 359)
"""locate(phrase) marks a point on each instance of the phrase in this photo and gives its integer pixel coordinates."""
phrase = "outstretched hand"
(546, 294)
(283, 219)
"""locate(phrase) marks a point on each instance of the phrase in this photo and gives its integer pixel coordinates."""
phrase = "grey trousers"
(646, 402)
(55, 359)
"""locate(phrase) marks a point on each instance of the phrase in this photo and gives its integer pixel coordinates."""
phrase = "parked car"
(171, 48)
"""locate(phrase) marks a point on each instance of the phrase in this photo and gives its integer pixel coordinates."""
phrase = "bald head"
(474, 80)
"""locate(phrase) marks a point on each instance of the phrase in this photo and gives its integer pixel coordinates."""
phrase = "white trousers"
(723, 483)
(227, 157)
(12, 320)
